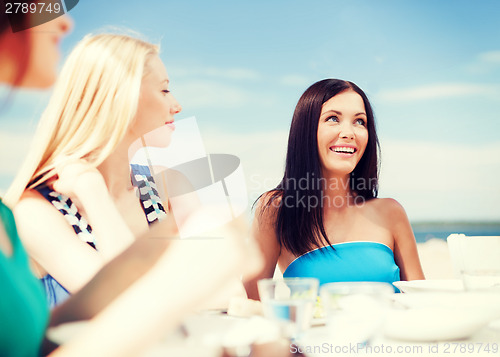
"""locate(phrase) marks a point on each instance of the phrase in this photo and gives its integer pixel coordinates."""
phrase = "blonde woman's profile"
(112, 90)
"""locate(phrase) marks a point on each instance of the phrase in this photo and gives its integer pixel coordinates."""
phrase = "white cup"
(477, 259)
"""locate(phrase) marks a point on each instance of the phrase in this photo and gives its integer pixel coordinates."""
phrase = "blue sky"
(430, 68)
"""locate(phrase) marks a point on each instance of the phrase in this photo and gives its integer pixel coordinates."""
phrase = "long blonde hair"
(94, 102)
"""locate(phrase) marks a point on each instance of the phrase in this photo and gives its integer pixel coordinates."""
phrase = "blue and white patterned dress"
(151, 205)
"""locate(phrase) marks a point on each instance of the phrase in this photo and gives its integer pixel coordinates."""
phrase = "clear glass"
(481, 279)
(354, 311)
(289, 302)
(480, 262)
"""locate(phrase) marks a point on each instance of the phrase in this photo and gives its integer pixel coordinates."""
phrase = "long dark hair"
(299, 226)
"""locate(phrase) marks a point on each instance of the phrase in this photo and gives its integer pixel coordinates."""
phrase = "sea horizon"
(426, 230)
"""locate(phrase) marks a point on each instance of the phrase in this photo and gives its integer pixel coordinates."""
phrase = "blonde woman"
(142, 277)
(112, 90)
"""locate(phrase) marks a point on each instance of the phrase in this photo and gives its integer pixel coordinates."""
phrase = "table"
(209, 331)
(204, 334)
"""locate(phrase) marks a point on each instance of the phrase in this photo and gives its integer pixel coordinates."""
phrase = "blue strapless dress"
(349, 261)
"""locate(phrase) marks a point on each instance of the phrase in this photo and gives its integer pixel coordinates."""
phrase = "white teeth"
(347, 150)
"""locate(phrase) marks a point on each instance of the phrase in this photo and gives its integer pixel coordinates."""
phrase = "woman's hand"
(188, 273)
(75, 177)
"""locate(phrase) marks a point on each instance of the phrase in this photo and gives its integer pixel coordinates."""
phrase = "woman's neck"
(337, 193)
(116, 171)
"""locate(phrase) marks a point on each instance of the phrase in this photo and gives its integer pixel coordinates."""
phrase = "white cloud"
(485, 62)
(13, 149)
(296, 80)
(235, 73)
(490, 57)
(262, 156)
(432, 181)
(194, 94)
(212, 94)
(442, 181)
(437, 91)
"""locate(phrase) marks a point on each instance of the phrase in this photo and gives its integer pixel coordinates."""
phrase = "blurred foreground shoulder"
(32, 209)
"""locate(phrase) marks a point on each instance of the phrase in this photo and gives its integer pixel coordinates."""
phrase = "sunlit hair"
(93, 104)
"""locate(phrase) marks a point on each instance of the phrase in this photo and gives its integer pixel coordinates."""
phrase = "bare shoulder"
(387, 207)
(37, 218)
(388, 212)
(267, 207)
(33, 207)
(28, 194)
(29, 200)
(33, 210)
(405, 246)
(264, 222)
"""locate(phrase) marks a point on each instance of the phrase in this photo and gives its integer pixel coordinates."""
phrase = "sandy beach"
(435, 259)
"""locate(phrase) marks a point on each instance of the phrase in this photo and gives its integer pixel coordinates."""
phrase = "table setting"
(297, 317)
(411, 322)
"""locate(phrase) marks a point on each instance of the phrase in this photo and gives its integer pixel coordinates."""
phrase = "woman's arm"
(184, 277)
(128, 267)
(264, 233)
(111, 281)
(107, 284)
(405, 246)
(51, 241)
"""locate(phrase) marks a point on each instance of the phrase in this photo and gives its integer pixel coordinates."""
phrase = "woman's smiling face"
(342, 134)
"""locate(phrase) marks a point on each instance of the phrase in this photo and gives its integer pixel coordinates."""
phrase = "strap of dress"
(70, 212)
(148, 193)
(149, 197)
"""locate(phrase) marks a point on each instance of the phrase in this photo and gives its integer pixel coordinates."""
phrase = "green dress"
(24, 310)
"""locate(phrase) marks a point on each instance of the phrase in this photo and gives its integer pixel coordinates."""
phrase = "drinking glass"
(479, 263)
(481, 279)
(354, 311)
(290, 302)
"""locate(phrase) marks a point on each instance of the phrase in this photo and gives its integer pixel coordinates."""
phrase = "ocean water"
(441, 230)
